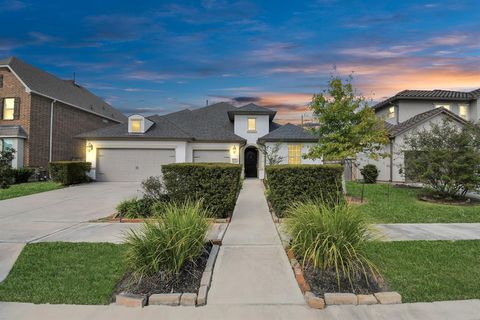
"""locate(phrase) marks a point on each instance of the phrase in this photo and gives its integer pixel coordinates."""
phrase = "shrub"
(369, 173)
(445, 158)
(216, 184)
(331, 238)
(134, 208)
(22, 175)
(290, 183)
(166, 244)
(69, 172)
(6, 158)
(154, 189)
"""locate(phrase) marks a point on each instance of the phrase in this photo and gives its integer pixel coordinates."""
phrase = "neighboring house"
(41, 114)
(217, 133)
(412, 110)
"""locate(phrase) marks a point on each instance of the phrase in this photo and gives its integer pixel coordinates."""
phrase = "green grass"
(24, 189)
(429, 270)
(65, 273)
(387, 204)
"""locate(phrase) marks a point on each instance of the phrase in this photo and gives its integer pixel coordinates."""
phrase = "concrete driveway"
(31, 218)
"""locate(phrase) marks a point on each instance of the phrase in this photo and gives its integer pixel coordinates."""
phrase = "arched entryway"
(251, 162)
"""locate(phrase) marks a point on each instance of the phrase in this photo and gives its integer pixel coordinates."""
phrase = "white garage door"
(211, 156)
(131, 164)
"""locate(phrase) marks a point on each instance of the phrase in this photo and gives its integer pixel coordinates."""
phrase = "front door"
(251, 162)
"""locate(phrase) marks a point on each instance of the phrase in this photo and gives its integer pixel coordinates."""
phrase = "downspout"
(391, 160)
(51, 132)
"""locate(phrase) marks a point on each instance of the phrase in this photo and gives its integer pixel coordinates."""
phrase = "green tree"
(347, 126)
(445, 157)
(6, 174)
(271, 153)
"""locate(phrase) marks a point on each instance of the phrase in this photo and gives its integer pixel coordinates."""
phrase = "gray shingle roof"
(252, 109)
(289, 132)
(162, 129)
(66, 91)
(430, 95)
(12, 131)
(395, 130)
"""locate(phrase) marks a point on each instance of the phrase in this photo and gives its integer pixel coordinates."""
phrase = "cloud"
(246, 99)
(12, 5)
(119, 27)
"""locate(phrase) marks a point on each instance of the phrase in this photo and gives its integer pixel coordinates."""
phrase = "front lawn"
(388, 204)
(65, 273)
(24, 189)
(423, 271)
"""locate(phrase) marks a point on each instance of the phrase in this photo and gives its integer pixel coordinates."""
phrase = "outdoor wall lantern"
(234, 150)
(89, 146)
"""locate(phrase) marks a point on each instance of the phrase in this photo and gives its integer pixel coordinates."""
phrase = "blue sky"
(162, 56)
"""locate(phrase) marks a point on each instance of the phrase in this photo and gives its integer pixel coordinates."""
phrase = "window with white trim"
(440, 105)
(136, 125)
(8, 109)
(294, 154)
(463, 111)
(391, 112)
(251, 124)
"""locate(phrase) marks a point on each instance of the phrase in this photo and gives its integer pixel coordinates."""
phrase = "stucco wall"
(262, 126)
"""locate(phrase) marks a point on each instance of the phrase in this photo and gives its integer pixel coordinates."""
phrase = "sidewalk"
(252, 267)
(429, 231)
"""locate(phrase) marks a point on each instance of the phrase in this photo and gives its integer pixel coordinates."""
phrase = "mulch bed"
(452, 201)
(187, 281)
(322, 282)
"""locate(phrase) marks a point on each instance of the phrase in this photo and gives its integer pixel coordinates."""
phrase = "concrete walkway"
(252, 267)
(429, 231)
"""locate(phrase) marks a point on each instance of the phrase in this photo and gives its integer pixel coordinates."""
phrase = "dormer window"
(251, 124)
(138, 124)
(391, 112)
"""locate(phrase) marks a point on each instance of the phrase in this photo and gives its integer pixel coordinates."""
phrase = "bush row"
(216, 184)
(291, 183)
(69, 172)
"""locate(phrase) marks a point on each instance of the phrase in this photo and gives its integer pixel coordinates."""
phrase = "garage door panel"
(211, 156)
(131, 164)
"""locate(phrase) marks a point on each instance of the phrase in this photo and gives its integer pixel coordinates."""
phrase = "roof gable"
(252, 109)
(66, 91)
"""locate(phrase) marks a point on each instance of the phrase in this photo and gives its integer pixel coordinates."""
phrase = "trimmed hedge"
(217, 184)
(22, 175)
(290, 183)
(69, 172)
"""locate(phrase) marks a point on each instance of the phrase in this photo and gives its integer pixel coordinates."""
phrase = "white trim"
(28, 90)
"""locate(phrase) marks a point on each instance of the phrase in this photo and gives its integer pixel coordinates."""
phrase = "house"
(219, 132)
(41, 114)
(411, 110)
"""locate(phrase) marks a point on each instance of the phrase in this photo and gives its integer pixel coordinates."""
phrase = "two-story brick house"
(411, 110)
(40, 114)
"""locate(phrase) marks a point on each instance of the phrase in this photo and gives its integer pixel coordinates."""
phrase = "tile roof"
(289, 132)
(430, 95)
(66, 91)
(12, 132)
(395, 130)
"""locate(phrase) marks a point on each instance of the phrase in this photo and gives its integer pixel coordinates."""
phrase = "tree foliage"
(347, 126)
(271, 153)
(6, 174)
(445, 157)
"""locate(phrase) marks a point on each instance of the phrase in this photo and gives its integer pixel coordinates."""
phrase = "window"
(1, 80)
(8, 108)
(446, 106)
(463, 111)
(136, 125)
(6, 144)
(251, 124)
(391, 112)
(294, 153)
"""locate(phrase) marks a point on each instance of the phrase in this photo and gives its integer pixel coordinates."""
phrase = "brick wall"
(35, 120)
(13, 88)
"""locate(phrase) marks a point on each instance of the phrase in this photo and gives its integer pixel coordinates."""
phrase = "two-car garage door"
(131, 164)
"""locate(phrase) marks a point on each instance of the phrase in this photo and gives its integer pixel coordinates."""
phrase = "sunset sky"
(162, 56)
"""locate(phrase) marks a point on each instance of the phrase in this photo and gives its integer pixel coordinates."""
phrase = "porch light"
(234, 150)
(89, 146)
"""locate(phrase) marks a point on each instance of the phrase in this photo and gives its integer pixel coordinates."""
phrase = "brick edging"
(316, 302)
(175, 299)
